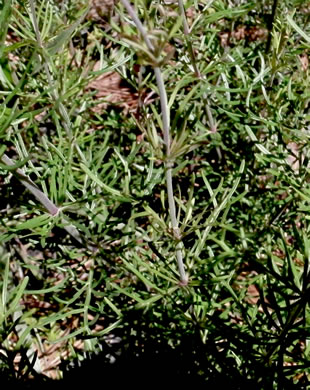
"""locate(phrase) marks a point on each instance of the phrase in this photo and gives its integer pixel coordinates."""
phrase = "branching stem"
(166, 132)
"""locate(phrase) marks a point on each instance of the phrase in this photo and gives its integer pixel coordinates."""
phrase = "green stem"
(166, 131)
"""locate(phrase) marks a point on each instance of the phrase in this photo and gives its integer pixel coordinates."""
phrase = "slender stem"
(270, 24)
(32, 187)
(175, 225)
(164, 109)
(138, 23)
(169, 166)
(166, 131)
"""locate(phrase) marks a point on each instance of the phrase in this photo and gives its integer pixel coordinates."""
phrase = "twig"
(166, 131)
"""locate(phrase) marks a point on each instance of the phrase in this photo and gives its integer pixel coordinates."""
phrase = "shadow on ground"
(158, 365)
(140, 356)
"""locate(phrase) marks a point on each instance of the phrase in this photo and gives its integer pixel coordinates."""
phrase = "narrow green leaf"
(108, 329)
(34, 222)
(4, 294)
(298, 29)
(48, 290)
(146, 281)
(57, 43)
(48, 320)
(125, 292)
(99, 182)
(5, 14)
(254, 139)
(15, 166)
(112, 306)
(155, 298)
(20, 291)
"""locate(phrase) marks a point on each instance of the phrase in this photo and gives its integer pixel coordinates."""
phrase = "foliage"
(107, 191)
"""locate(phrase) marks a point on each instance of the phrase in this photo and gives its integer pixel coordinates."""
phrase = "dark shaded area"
(156, 366)
(146, 359)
